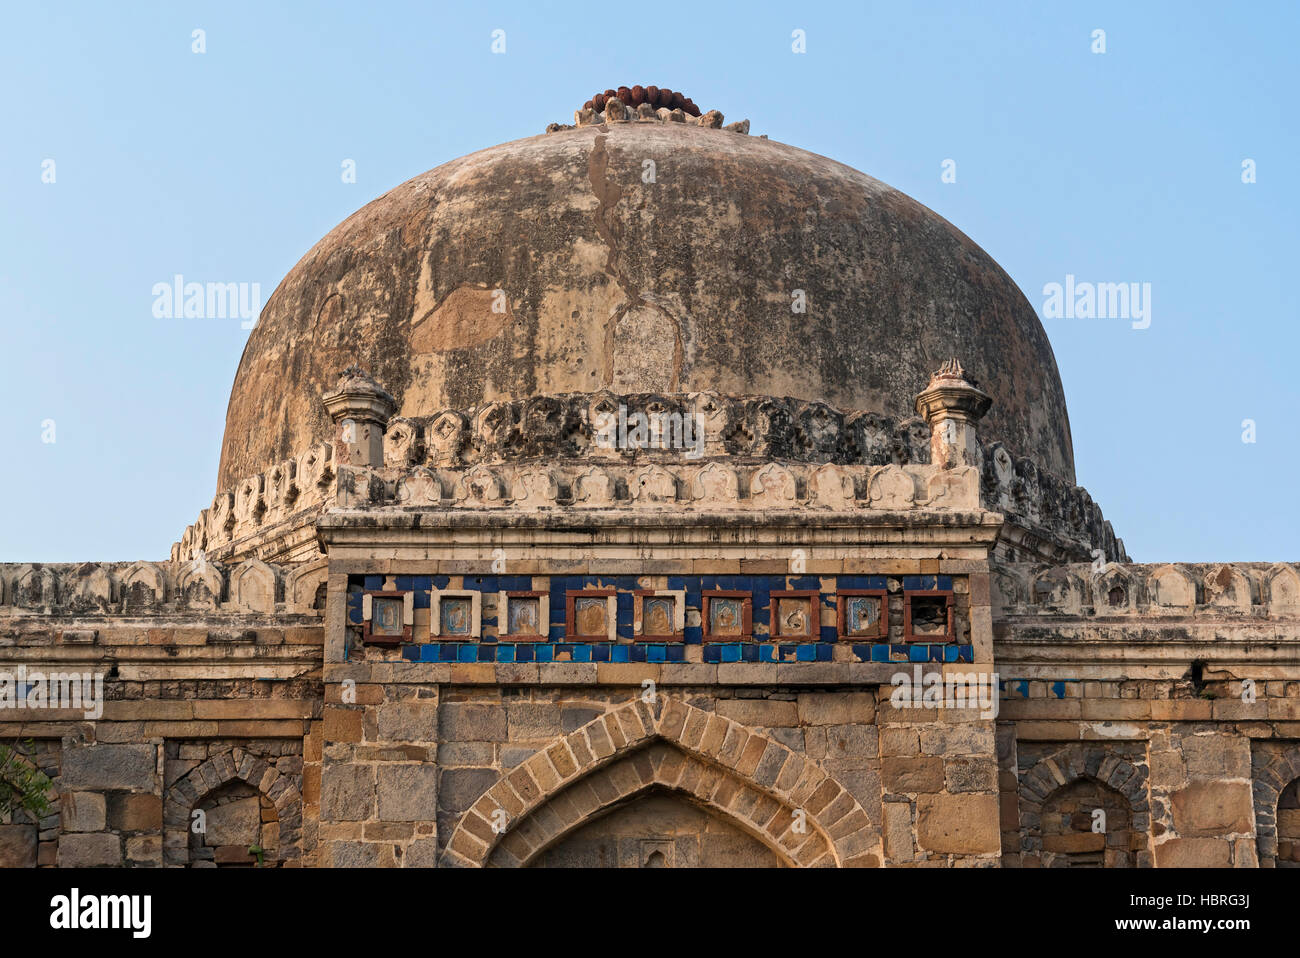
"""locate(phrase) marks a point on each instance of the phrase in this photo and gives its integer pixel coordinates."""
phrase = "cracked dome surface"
(557, 264)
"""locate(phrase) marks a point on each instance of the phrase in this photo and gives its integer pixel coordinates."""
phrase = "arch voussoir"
(789, 803)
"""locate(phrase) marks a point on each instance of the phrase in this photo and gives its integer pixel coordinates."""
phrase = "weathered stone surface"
(347, 793)
(423, 312)
(134, 811)
(84, 812)
(234, 823)
(958, 824)
(459, 788)
(907, 775)
(17, 846)
(472, 723)
(110, 766)
(408, 793)
(1213, 808)
(1193, 853)
(89, 850)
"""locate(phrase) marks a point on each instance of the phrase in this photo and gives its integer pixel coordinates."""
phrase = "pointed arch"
(728, 768)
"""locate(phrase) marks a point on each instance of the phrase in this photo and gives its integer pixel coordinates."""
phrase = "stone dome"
(642, 256)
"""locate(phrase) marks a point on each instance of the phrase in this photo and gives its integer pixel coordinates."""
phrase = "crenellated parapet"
(198, 586)
(1158, 591)
(645, 451)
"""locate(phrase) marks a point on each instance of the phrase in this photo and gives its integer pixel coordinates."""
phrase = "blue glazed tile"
(1058, 689)
(441, 581)
(544, 652)
(880, 653)
(487, 653)
(730, 652)
(678, 583)
(749, 652)
(712, 653)
(619, 653)
(505, 653)
(788, 653)
(556, 633)
(829, 633)
(656, 653)
(637, 653)
(624, 602)
(524, 653)
(484, 583)
(951, 653)
(898, 653)
(624, 632)
(676, 653)
(824, 652)
(405, 583)
(806, 653)
(422, 583)
(918, 653)
(558, 611)
(600, 652)
(354, 616)
(967, 653)
(467, 653)
(695, 600)
(582, 652)
(936, 653)
(803, 582)
(693, 635)
(374, 583)
(911, 582)
(489, 638)
(411, 652)
(422, 599)
(708, 582)
(943, 582)
(766, 653)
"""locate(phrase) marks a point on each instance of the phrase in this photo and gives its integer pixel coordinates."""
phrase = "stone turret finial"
(360, 408)
(952, 404)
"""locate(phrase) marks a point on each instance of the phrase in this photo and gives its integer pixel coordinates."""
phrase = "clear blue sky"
(1115, 167)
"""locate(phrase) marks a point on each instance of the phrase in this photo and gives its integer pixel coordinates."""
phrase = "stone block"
(412, 721)
(144, 849)
(1213, 808)
(459, 788)
(837, 708)
(110, 766)
(84, 812)
(767, 713)
(958, 824)
(234, 823)
(1193, 853)
(347, 793)
(533, 720)
(361, 855)
(461, 722)
(898, 832)
(18, 846)
(905, 776)
(134, 811)
(408, 793)
(89, 850)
